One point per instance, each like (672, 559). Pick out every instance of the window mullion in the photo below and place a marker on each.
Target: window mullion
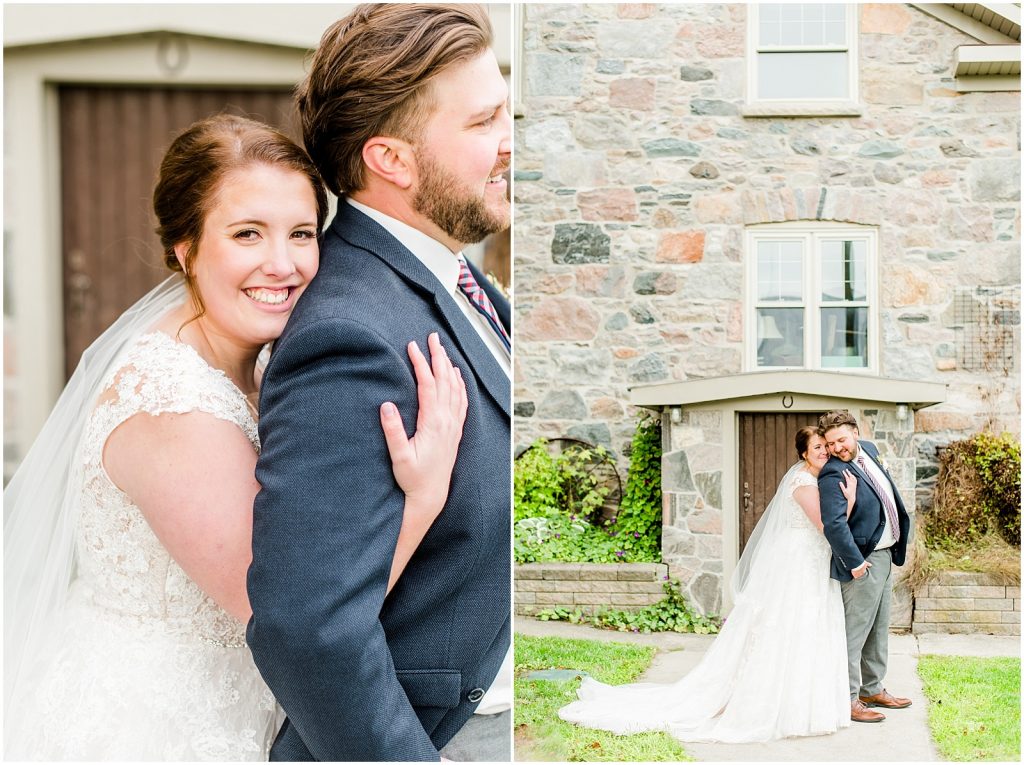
(812, 315)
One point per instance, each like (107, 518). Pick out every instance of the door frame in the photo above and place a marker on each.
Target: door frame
(33, 216)
(730, 410)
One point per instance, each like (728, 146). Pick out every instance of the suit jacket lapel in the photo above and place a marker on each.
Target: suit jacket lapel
(362, 231)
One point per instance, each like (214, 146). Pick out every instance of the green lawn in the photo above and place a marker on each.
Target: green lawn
(542, 735)
(973, 706)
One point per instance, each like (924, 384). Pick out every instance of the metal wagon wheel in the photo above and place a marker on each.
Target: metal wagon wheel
(598, 471)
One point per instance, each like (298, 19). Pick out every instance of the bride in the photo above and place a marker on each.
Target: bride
(779, 666)
(127, 531)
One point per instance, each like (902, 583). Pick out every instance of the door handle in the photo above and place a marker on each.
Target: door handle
(79, 286)
(746, 497)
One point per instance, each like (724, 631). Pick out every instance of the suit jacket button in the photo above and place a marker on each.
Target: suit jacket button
(475, 695)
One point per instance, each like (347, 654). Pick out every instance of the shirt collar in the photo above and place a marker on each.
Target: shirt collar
(439, 260)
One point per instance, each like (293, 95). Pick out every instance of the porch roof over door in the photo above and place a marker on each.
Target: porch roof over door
(914, 393)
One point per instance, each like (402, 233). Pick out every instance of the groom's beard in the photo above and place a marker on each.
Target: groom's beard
(849, 456)
(453, 208)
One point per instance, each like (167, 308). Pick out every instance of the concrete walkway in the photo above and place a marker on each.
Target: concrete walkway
(902, 737)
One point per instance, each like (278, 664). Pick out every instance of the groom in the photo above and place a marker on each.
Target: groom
(404, 113)
(865, 546)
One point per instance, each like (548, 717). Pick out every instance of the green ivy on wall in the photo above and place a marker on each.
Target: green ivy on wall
(639, 520)
(557, 503)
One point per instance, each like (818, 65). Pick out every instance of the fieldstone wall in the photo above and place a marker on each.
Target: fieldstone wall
(625, 586)
(960, 602)
(691, 482)
(636, 174)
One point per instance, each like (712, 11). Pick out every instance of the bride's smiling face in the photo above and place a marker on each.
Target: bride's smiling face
(257, 253)
(817, 453)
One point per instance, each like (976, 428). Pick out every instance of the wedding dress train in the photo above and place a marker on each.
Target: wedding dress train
(144, 666)
(778, 668)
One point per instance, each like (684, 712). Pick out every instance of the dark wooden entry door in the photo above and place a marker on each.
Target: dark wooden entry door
(766, 453)
(111, 142)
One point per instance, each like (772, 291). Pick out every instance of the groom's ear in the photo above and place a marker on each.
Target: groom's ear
(390, 158)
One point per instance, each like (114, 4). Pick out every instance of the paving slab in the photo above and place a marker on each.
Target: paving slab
(968, 645)
(902, 737)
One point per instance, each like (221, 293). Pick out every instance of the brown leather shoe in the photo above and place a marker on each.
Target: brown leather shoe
(860, 713)
(885, 699)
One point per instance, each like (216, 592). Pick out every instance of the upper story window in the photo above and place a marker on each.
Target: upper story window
(811, 297)
(802, 58)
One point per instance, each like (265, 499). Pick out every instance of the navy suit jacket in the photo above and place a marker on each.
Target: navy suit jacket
(363, 676)
(853, 539)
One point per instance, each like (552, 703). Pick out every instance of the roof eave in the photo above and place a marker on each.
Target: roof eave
(1003, 16)
(837, 385)
(149, 33)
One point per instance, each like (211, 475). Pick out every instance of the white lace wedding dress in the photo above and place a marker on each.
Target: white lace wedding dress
(147, 666)
(778, 668)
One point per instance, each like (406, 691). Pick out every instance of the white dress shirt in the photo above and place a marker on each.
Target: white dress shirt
(444, 265)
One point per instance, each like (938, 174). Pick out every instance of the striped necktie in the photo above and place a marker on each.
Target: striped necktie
(887, 503)
(479, 300)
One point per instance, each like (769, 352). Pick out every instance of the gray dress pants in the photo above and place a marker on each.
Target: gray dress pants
(484, 738)
(866, 603)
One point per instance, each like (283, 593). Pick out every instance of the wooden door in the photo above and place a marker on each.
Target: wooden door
(766, 453)
(111, 142)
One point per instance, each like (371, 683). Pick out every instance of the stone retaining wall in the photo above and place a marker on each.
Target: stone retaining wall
(626, 586)
(960, 602)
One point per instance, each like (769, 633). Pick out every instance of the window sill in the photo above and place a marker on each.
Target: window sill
(827, 370)
(802, 109)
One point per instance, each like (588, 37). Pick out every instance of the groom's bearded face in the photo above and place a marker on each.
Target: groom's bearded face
(842, 442)
(464, 150)
(456, 208)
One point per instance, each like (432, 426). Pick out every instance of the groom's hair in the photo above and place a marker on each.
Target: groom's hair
(835, 419)
(371, 74)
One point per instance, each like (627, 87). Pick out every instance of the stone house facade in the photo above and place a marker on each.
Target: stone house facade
(736, 213)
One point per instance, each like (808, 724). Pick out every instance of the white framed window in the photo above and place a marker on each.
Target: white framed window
(812, 297)
(802, 58)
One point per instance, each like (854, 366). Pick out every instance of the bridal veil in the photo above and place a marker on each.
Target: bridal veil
(778, 667)
(40, 502)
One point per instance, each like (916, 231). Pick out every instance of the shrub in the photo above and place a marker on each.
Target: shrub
(978, 491)
(554, 497)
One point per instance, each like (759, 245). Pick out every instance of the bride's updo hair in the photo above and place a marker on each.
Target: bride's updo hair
(803, 439)
(195, 166)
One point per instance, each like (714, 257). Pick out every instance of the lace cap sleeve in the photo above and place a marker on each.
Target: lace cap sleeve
(803, 478)
(159, 375)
